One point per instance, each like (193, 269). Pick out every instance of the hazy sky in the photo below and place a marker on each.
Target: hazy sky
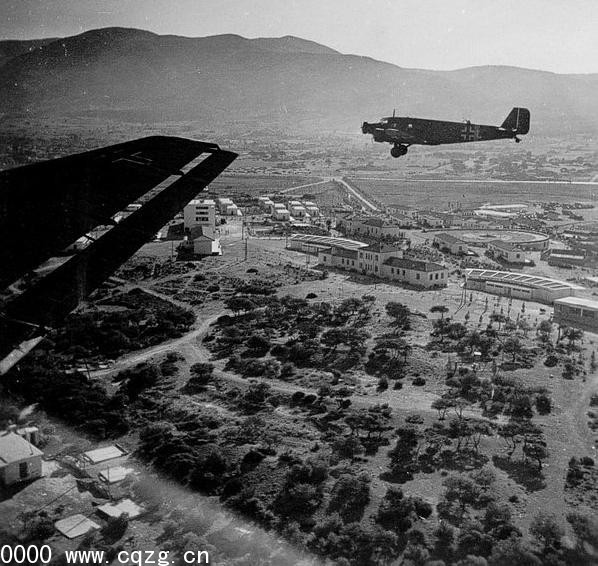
(554, 35)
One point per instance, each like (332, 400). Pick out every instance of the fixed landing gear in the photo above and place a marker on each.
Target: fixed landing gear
(517, 140)
(398, 150)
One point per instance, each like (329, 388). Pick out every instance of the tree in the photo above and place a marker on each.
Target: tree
(398, 513)
(403, 455)
(543, 403)
(396, 346)
(399, 313)
(524, 326)
(573, 335)
(239, 304)
(349, 497)
(254, 398)
(115, 528)
(460, 490)
(513, 552)
(348, 447)
(201, 375)
(536, 450)
(545, 330)
(442, 405)
(416, 554)
(445, 537)
(512, 345)
(442, 309)
(498, 318)
(258, 343)
(586, 532)
(546, 530)
(471, 560)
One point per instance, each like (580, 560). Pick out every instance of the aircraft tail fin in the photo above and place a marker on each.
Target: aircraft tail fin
(517, 121)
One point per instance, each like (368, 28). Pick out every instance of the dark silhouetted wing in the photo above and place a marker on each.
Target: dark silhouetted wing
(47, 206)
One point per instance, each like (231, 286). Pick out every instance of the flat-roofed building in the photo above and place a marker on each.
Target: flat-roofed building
(201, 213)
(520, 286)
(578, 312)
(451, 244)
(566, 258)
(223, 203)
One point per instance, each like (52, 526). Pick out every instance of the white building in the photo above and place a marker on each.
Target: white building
(578, 312)
(372, 257)
(280, 212)
(204, 245)
(341, 258)
(223, 204)
(451, 244)
(431, 220)
(505, 251)
(19, 459)
(233, 210)
(314, 244)
(520, 286)
(297, 210)
(265, 203)
(311, 208)
(201, 213)
(383, 261)
(371, 226)
(424, 274)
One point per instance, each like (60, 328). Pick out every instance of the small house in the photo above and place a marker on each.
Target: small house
(19, 459)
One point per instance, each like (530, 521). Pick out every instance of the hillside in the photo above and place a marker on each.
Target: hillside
(227, 79)
(10, 48)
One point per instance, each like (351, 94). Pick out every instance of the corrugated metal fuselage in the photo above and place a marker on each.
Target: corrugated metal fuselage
(405, 130)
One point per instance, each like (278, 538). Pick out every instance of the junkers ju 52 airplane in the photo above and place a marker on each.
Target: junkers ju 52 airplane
(403, 131)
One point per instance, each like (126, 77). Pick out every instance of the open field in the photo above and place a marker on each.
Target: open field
(437, 194)
(258, 184)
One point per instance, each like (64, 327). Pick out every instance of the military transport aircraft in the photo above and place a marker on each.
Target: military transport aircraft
(47, 206)
(403, 131)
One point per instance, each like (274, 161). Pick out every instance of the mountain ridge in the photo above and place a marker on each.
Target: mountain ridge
(116, 72)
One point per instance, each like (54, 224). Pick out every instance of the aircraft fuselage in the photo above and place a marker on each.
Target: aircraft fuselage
(404, 131)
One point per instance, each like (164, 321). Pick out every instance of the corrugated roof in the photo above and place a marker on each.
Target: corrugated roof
(577, 302)
(327, 241)
(521, 279)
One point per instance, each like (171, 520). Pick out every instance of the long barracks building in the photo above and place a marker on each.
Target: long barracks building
(519, 286)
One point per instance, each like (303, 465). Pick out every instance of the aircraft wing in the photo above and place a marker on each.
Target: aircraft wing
(47, 206)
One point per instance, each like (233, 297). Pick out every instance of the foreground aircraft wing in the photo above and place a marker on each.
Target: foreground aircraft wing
(47, 206)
